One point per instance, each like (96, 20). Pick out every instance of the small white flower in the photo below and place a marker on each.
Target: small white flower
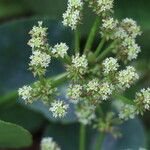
(59, 109)
(109, 65)
(74, 92)
(127, 77)
(85, 114)
(106, 90)
(47, 143)
(143, 97)
(60, 50)
(127, 112)
(40, 59)
(25, 92)
(131, 27)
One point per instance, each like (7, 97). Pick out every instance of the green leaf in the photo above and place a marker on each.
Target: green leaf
(14, 136)
(14, 58)
(22, 116)
(67, 136)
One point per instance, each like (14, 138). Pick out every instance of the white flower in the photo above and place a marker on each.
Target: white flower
(120, 33)
(47, 143)
(105, 90)
(75, 4)
(127, 112)
(38, 37)
(59, 109)
(38, 31)
(25, 92)
(130, 48)
(60, 50)
(102, 7)
(85, 114)
(143, 98)
(80, 63)
(127, 77)
(109, 65)
(74, 92)
(131, 27)
(71, 18)
(40, 59)
(93, 86)
(72, 15)
(109, 24)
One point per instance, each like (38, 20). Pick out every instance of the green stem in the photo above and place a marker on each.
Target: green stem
(92, 35)
(99, 48)
(100, 141)
(77, 41)
(106, 51)
(82, 137)
(12, 96)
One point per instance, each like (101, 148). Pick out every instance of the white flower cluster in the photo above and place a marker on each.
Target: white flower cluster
(106, 90)
(127, 33)
(142, 98)
(26, 93)
(127, 112)
(131, 27)
(110, 65)
(40, 59)
(93, 86)
(130, 48)
(127, 77)
(78, 66)
(47, 143)
(59, 109)
(74, 92)
(102, 7)
(80, 62)
(85, 114)
(38, 37)
(39, 62)
(72, 16)
(109, 24)
(60, 50)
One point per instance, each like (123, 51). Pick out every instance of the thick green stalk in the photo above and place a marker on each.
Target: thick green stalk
(12, 96)
(99, 48)
(77, 41)
(100, 141)
(92, 35)
(106, 51)
(82, 137)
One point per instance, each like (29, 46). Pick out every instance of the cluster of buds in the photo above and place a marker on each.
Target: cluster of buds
(72, 16)
(40, 60)
(47, 143)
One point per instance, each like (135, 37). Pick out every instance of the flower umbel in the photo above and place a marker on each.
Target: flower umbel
(59, 109)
